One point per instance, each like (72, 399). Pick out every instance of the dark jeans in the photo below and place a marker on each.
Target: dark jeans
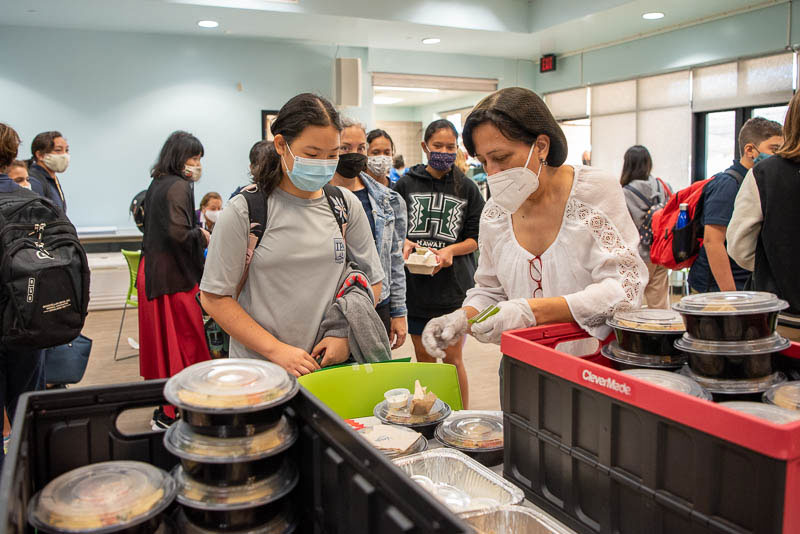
(21, 370)
(383, 310)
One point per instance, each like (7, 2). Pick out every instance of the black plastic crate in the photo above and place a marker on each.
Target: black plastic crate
(602, 464)
(346, 486)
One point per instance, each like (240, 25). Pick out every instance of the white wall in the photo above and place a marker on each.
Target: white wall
(116, 97)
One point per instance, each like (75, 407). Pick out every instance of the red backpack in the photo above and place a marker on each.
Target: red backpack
(673, 248)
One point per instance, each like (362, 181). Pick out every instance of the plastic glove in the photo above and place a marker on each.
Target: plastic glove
(513, 315)
(443, 332)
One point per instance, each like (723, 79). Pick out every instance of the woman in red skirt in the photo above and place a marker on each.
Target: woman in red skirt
(171, 335)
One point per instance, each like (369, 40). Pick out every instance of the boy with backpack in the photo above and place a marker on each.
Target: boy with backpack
(714, 270)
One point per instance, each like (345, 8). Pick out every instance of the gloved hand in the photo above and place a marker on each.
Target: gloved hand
(513, 315)
(444, 331)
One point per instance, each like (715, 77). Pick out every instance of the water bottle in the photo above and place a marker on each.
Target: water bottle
(683, 216)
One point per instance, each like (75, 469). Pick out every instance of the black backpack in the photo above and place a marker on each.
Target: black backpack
(137, 209)
(646, 228)
(44, 274)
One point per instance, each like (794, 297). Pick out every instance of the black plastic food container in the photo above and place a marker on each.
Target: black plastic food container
(235, 507)
(230, 461)
(742, 389)
(730, 315)
(231, 398)
(624, 360)
(732, 360)
(477, 434)
(425, 425)
(282, 523)
(647, 331)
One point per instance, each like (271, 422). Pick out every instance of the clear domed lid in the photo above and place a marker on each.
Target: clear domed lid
(739, 386)
(439, 411)
(784, 395)
(648, 320)
(730, 303)
(283, 523)
(767, 345)
(231, 386)
(670, 380)
(185, 443)
(614, 352)
(472, 431)
(102, 497)
(201, 496)
(774, 414)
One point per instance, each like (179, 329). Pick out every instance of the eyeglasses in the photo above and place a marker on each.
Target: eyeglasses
(535, 271)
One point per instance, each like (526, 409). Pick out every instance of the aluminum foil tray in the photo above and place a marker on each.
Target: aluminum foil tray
(516, 519)
(458, 481)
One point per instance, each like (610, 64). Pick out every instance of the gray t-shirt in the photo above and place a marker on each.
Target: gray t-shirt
(295, 269)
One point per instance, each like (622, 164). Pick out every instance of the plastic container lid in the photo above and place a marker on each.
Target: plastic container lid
(648, 320)
(439, 411)
(201, 496)
(185, 443)
(784, 395)
(767, 345)
(102, 497)
(740, 386)
(670, 380)
(775, 414)
(282, 524)
(730, 303)
(473, 432)
(231, 386)
(614, 352)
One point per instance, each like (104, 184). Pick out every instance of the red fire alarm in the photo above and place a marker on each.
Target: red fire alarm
(547, 63)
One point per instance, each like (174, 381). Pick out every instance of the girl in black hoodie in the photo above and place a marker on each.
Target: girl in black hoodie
(444, 211)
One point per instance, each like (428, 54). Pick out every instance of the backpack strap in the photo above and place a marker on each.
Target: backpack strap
(736, 175)
(338, 206)
(666, 188)
(640, 195)
(257, 214)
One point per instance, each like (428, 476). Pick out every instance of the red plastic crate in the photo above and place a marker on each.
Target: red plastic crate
(535, 347)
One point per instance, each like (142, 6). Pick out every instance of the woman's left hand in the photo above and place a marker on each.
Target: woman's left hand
(513, 315)
(445, 256)
(399, 329)
(334, 350)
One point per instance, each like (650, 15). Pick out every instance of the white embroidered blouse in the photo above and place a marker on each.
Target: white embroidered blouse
(593, 263)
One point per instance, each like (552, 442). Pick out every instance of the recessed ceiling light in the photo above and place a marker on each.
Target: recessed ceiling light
(408, 89)
(431, 40)
(653, 15)
(385, 100)
(31, 11)
(207, 23)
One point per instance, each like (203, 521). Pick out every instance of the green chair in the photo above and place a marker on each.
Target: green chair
(132, 299)
(353, 391)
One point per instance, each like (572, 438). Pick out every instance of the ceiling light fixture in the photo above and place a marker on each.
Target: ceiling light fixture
(406, 89)
(431, 40)
(207, 23)
(653, 15)
(385, 100)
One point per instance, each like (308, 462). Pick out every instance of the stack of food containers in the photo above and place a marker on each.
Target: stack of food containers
(645, 340)
(731, 342)
(234, 442)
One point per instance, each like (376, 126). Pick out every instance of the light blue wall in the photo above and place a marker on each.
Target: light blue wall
(754, 33)
(395, 113)
(116, 97)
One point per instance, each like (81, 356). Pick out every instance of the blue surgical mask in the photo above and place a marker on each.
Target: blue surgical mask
(761, 157)
(310, 174)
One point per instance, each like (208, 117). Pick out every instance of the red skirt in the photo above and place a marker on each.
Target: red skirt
(171, 335)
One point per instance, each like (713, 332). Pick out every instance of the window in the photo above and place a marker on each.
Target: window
(719, 141)
(773, 113)
(579, 139)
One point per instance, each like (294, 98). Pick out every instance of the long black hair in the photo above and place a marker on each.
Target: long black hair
(637, 165)
(440, 124)
(179, 147)
(301, 111)
(44, 142)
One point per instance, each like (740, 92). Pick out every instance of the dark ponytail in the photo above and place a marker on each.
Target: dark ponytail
(44, 142)
(301, 111)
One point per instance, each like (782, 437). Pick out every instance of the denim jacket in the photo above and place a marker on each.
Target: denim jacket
(389, 212)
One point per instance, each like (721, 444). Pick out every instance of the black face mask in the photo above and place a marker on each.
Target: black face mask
(351, 164)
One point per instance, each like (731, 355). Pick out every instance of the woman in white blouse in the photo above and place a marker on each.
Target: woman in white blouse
(556, 242)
